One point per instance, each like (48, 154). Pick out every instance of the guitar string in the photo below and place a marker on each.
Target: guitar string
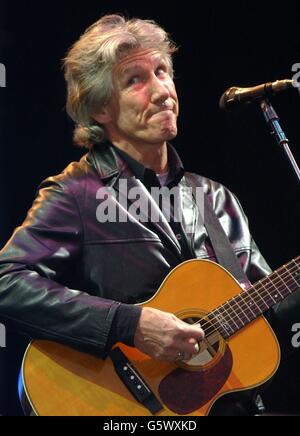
(265, 285)
(226, 322)
(248, 296)
(228, 317)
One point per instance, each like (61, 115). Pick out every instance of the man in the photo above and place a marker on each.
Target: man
(68, 275)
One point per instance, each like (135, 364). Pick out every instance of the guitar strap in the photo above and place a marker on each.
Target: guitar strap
(224, 252)
(223, 249)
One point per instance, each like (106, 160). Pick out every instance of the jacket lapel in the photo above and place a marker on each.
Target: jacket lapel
(139, 203)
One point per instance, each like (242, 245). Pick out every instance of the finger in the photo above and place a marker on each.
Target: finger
(197, 348)
(193, 331)
(195, 344)
(190, 348)
(188, 357)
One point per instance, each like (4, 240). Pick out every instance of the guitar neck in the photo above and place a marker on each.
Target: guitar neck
(248, 305)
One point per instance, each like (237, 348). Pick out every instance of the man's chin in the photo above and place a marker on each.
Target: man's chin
(160, 137)
(170, 135)
(163, 138)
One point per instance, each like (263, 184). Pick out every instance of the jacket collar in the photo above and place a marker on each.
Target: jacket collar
(106, 160)
(147, 176)
(110, 162)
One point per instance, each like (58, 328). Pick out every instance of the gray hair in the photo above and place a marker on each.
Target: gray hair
(89, 63)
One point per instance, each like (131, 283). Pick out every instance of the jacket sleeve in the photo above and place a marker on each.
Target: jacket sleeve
(31, 299)
(258, 267)
(255, 266)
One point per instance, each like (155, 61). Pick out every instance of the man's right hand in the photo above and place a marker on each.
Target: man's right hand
(163, 336)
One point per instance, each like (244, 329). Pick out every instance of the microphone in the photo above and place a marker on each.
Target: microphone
(234, 96)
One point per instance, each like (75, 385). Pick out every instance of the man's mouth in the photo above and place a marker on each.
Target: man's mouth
(164, 110)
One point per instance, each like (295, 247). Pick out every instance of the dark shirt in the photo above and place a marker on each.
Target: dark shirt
(148, 177)
(127, 317)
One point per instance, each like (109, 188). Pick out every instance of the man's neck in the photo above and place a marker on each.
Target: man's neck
(152, 156)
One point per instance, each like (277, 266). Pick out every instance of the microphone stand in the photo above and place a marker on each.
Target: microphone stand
(272, 120)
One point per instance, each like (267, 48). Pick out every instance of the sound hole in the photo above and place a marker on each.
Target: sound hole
(211, 348)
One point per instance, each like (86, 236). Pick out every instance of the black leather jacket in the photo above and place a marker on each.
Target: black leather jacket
(63, 273)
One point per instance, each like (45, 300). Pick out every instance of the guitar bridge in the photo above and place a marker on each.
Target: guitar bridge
(134, 381)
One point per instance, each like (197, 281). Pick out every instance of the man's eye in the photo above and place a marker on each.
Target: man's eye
(161, 71)
(133, 80)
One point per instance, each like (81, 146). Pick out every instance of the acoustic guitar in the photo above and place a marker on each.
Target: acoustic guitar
(240, 352)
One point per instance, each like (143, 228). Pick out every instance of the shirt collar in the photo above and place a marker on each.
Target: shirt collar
(147, 176)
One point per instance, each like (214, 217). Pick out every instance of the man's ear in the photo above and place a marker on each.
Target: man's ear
(103, 117)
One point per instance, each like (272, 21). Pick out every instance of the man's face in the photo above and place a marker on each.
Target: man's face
(144, 105)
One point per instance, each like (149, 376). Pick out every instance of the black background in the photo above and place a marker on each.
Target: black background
(221, 44)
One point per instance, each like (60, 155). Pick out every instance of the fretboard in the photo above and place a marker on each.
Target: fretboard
(248, 305)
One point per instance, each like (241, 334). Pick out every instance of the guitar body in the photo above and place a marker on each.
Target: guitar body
(58, 380)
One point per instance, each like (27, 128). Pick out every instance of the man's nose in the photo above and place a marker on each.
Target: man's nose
(159, 91)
